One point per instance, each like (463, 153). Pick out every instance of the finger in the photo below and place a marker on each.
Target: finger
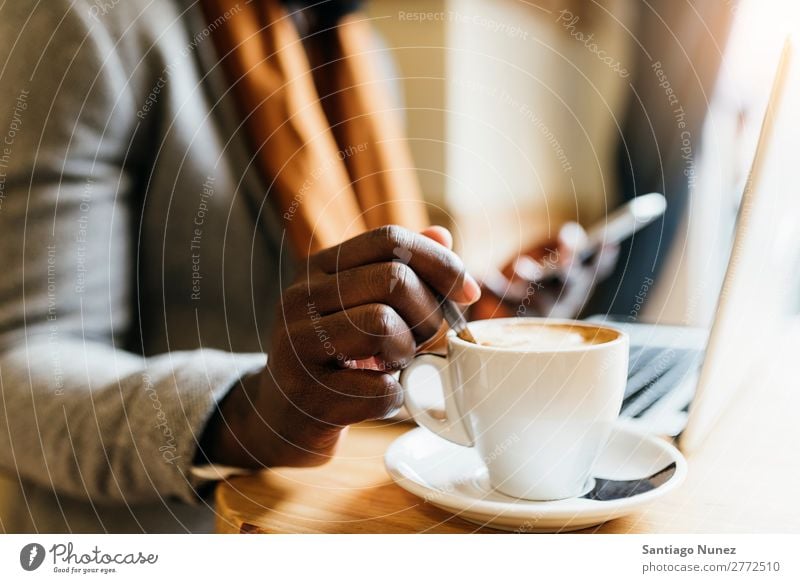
(440, 235)
(354, 334)
(528, 269)
(392, 283)
(572, 239)
(438, 266)
(360, 395)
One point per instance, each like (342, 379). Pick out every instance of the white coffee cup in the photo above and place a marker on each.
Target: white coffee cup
(539, 415)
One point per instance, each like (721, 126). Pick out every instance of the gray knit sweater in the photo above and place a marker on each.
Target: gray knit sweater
(140, 263)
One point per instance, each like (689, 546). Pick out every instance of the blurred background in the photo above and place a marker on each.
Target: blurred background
(522, 115)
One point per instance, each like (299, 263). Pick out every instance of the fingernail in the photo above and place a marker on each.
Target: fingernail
(472, 290)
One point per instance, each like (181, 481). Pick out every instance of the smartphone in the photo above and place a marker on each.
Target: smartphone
(623, 222)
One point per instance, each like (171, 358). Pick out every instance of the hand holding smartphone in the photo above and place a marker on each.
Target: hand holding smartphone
(513, 286)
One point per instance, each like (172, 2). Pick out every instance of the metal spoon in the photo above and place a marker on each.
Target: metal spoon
(617, 489)
(456, 321)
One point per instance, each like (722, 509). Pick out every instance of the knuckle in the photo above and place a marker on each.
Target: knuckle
(381, 319)
(394, 233)
(389, 395)
(391, 337)
(381, 279)
(399, 275)
(393, 236)
(386, 384)
(396, 352)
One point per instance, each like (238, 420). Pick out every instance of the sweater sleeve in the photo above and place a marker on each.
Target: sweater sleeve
(78, 413)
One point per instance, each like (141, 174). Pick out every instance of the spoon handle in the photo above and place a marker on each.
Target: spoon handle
(456, 320)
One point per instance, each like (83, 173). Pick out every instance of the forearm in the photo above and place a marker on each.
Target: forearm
(102, 424)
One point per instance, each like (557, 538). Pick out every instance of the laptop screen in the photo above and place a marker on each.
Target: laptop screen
(757, 291)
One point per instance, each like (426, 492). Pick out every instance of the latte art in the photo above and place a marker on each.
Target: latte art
(528, 336)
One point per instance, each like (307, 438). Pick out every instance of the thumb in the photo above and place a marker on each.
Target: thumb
(572, 239)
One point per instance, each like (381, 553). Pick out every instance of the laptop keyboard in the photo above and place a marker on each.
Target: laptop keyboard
(653, 372)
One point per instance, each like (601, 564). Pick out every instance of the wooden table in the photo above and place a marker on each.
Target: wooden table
(744, 479)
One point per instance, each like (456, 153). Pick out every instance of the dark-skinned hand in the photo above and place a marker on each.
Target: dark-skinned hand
(358, 312)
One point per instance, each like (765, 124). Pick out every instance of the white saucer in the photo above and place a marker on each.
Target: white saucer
(455, 479)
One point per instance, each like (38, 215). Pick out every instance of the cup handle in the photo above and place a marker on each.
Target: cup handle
(452, 427)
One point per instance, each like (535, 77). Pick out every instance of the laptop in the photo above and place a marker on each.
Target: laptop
(681, 379)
